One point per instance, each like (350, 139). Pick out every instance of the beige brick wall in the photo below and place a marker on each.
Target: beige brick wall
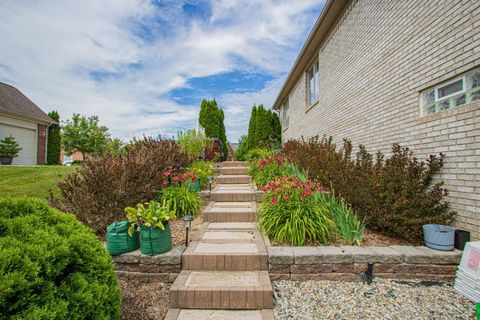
(373, 66)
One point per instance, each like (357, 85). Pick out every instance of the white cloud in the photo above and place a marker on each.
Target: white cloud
(49, 50)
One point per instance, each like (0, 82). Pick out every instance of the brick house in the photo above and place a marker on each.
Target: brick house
(26, 122)
(379, 72)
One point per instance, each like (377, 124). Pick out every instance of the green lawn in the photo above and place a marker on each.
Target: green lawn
(31, 180)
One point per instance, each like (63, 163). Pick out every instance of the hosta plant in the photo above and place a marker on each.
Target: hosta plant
(291, 214)
(151, 214)
(181, 200)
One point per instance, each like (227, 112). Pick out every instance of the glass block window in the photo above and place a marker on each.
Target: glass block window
(313, 78)
(285, 114)
(453, 93)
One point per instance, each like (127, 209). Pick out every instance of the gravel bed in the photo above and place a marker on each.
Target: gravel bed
(384, 299)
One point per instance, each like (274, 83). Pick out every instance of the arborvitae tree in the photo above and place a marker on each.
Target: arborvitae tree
(212, 118)
(54, 140)
(276, 132)
(223, 133)
(209, 118)
(250, 144)
(262, 127)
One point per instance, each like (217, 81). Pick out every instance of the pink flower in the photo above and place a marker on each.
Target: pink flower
(274, 200)
(165, 182)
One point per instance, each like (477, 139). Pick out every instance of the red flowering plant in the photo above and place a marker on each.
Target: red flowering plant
(271, 168)
(292, 213)
(176, 178)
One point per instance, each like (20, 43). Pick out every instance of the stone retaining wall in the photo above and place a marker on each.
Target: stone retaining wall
(348, 263)
(164, 267)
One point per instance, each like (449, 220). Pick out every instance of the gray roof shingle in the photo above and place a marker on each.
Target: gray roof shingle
(13, 101)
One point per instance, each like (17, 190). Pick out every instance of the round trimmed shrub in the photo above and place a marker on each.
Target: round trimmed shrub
(52, 266)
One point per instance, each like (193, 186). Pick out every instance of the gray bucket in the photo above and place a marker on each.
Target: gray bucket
(439, 237)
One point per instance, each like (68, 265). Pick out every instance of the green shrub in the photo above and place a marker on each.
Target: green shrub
(181, 200)
(394, 196)
(192, 142)
(240, 153)
(51, 266)
(256, 154)
(290, 213)
(105, 184)
(9, 147)
(202, 170)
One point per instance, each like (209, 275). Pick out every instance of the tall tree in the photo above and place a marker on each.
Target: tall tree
(251, 143)
(84, 135)
(223, 134)
(211, 118)
(54, 140)
(262, 127)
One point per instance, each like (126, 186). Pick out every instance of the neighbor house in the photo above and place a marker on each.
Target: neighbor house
(380, 71)
(25, 121)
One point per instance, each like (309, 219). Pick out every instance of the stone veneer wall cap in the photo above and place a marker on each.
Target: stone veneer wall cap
(280, 255)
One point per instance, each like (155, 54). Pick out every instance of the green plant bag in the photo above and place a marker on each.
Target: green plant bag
(194, 186)
(118, 240)
(155, 241)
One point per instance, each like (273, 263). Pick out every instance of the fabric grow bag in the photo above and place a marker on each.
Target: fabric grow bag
(194, 186)
(155, 241)
(118, 240)
(439, 237)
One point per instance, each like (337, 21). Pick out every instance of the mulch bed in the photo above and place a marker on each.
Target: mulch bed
(370, 239)
(144, 300)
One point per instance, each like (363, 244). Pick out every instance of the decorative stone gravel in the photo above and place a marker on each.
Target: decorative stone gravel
(384, 299)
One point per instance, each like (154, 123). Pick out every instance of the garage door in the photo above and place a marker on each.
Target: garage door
(26, 138)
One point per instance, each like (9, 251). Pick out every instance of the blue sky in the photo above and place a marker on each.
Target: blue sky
(145, 66)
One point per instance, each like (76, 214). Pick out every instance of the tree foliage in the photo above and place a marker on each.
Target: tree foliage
(212, 118)
(242, 148)
(54, 140)
(192, 142)
(84, 134)
(264, 130)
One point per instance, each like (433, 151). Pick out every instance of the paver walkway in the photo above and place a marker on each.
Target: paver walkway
(225, 267)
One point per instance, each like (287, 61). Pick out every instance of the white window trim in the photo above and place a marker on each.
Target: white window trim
(285, 116)
(316, 83)
(464, 83)
(465, 90)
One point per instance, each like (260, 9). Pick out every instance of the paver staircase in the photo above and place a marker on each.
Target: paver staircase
(225, 267)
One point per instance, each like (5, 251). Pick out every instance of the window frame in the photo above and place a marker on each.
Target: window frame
(286, 114)
(467, 91)
(316, 80)
(464, 82)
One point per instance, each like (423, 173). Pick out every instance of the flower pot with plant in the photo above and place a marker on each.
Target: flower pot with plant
(9, 149)
(155, 234)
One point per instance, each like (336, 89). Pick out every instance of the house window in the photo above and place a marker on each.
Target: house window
(285, 114)
(456, 92)
(313, 77)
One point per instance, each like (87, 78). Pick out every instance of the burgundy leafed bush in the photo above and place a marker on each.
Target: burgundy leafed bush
(395, 196)
(104, 185)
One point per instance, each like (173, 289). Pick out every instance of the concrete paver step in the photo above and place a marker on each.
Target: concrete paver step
(233, 179)
(233, 170)
(222, 290)
(230, 212)
(232, 226)
(233, 192)
(201, 314)
(226, 250)
(231, 164)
